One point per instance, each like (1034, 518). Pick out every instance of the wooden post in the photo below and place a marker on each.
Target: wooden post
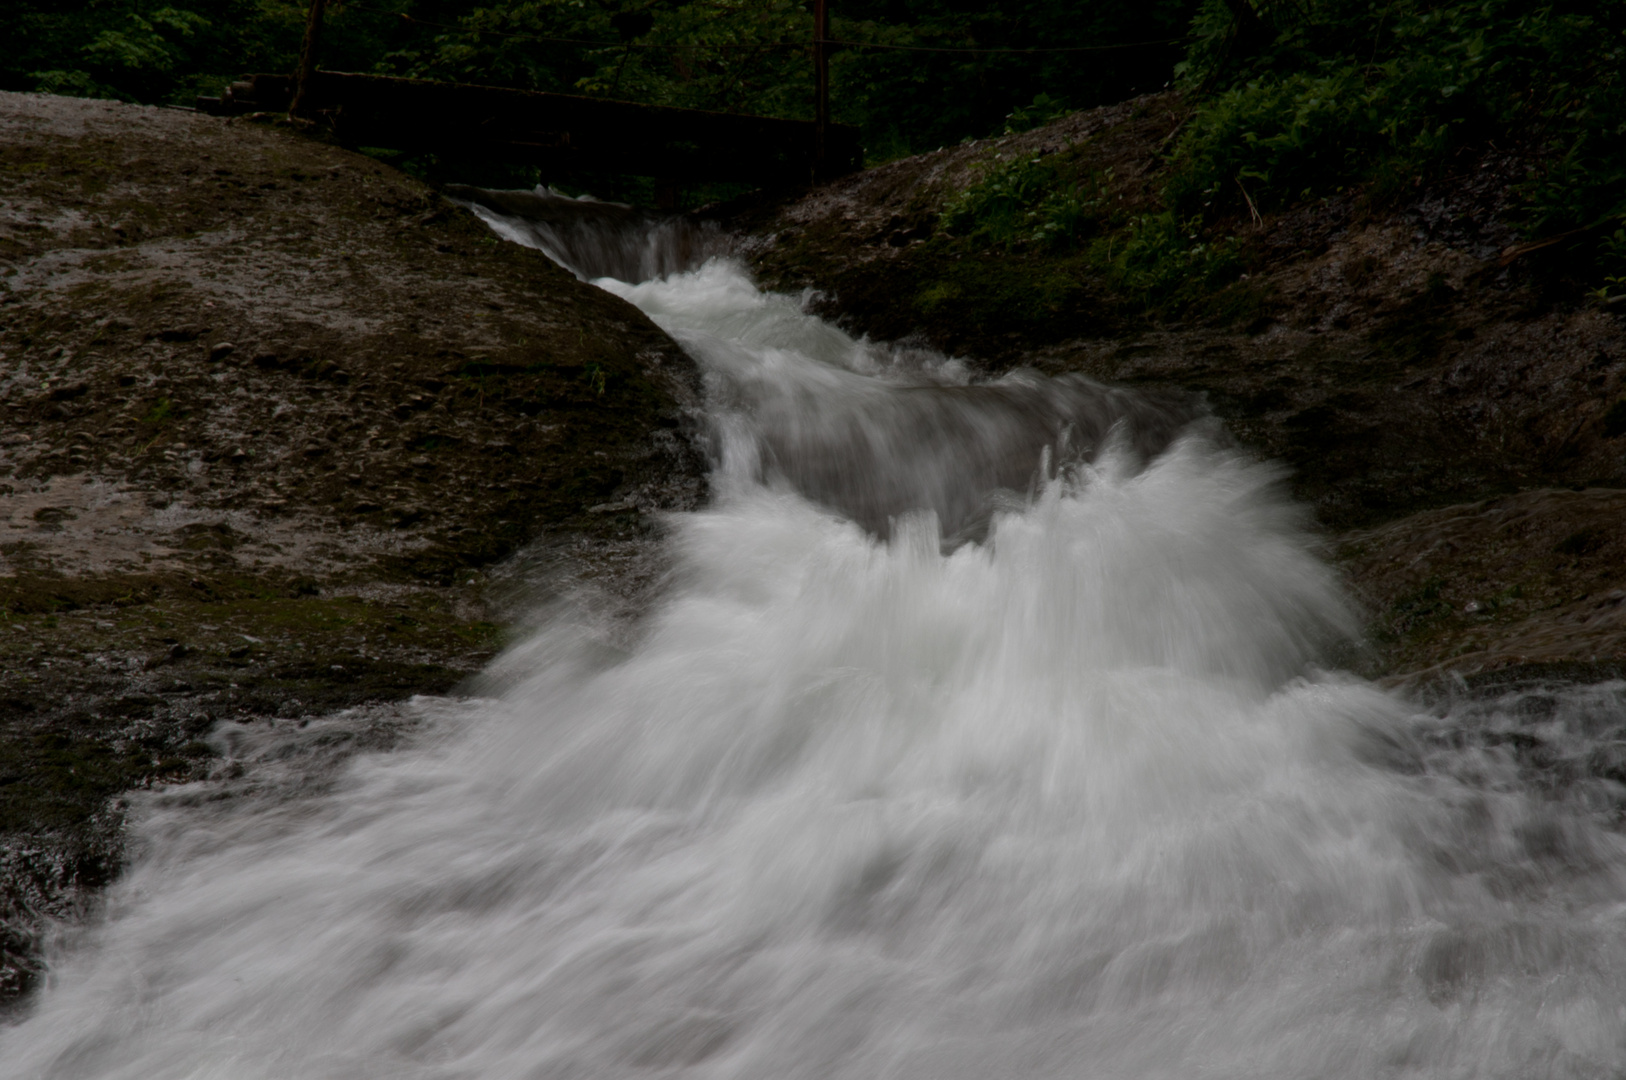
(307, 57)
(821, 79)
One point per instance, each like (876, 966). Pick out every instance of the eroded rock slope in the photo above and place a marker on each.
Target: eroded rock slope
(1454, 411)
(270, 413)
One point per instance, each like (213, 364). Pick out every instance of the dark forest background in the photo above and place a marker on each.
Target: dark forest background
(1291, 99)
(728, 55)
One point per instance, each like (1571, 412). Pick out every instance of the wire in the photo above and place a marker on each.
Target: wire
(1048, 49)
(529, 36)
(526, 35)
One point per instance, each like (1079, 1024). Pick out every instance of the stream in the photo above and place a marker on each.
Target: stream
(983, 729)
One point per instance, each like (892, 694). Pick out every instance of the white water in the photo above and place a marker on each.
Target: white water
(1070, 801)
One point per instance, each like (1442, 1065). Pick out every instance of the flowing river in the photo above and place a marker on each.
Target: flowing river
(983, 730)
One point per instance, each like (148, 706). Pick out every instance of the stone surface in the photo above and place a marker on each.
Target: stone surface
(1418, 388)
(1525, 581)
(272, 415)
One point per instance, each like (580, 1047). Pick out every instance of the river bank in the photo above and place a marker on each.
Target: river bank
(1451, 407)
(270, 414)
(273, 415)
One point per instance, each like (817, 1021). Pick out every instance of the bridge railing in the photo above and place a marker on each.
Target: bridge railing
(560, 131)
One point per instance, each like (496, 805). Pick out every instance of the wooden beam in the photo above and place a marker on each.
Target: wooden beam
(560, 131)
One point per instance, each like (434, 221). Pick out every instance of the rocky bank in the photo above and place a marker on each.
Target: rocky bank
(270, 413)
(1449, 402)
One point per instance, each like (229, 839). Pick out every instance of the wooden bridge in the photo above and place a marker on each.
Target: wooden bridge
(556, 131)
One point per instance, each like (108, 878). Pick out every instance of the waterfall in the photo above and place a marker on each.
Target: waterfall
(985, 728)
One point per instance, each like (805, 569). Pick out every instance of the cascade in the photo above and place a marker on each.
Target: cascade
(985, 728)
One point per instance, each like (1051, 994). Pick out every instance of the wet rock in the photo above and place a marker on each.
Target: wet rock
(168, 550)
(1499, 584)
(1380, 352)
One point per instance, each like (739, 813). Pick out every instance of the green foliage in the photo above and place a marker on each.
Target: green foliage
(152, 44)
(596, 378)
(1027, 199)
(727, 55)
(1297, 100)
(907, 102)
(1162, 257)
(696, 55)
(72, 84)
(1040, 111)
(1383, 92)
(156, 51)
(1321, 95)
(751, 57)
(1039, 202)
(1611, 261)
(1275, 141)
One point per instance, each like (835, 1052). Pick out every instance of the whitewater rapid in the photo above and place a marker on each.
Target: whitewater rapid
(980, 732)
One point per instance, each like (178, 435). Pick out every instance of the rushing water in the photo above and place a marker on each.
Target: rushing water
(979, 733)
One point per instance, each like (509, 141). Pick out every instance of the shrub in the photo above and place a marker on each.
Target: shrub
(1378, 92)
(1162, 257)
(1028, 199)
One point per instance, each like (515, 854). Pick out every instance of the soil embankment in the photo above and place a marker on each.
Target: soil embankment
(1456, 419)
(268, 413)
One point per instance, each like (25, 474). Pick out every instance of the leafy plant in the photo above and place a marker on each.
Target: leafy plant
(1034, 201)
(1040, 111)
(146, 44)
(1342, 92)
(72, 84)
(1027, 199)
(1162, 256)
(1612, 262)
(930, 72)
(171, 50)
(1280, 139)
(596, 377)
